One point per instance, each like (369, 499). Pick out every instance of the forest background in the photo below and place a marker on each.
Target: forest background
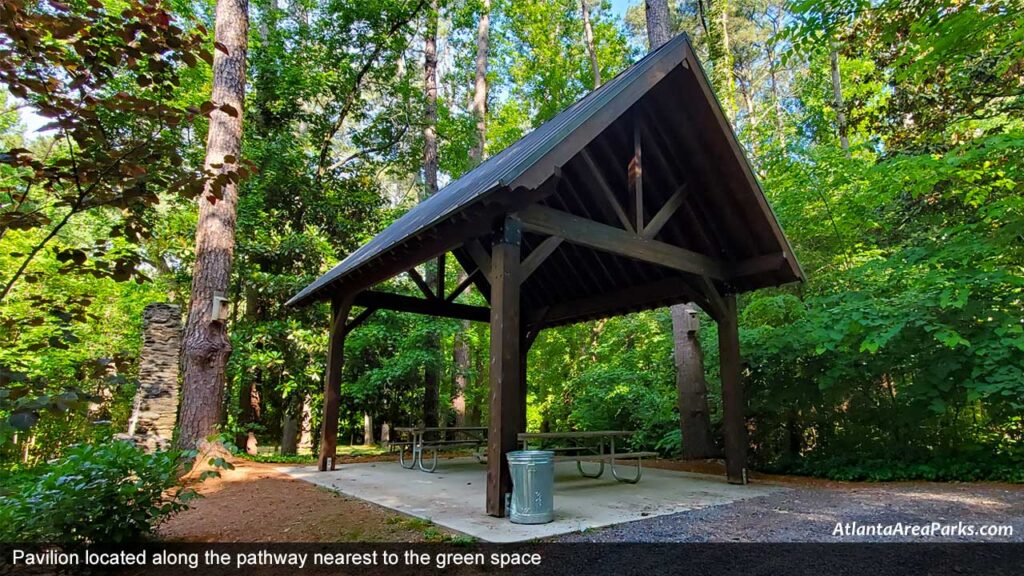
(888, 136)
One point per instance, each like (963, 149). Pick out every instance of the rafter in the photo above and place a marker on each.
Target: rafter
(421, 284)
(606, 190)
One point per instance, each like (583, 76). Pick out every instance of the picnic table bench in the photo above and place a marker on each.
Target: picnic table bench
(434, 439)
(588, 446)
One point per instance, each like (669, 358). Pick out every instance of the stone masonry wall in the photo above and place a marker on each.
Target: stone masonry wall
(156, 402)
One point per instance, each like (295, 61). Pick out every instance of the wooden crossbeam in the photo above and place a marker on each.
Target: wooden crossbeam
(716, 304)
(435, 307)
(362, 317)
(538, 256)
(421, 283)
(667, 210)
(479, 255)
(544, 220)
(606, 189)
(465, 284)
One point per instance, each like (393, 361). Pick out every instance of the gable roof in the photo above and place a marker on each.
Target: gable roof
(554, 146)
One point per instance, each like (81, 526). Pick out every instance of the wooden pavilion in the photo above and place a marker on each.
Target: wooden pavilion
(637, 196)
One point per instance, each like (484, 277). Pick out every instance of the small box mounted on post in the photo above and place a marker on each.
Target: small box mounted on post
(219, 307)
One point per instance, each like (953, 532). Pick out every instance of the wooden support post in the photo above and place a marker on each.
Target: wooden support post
(733, 404)
(340, 307)
(505, 363)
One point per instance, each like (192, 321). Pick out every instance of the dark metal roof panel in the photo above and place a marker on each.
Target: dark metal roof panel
(493, 174)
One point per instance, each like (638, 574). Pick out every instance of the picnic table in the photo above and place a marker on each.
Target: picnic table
(420, 439)
(587, 446)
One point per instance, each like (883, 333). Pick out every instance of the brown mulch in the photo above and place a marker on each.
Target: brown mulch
(258, 503)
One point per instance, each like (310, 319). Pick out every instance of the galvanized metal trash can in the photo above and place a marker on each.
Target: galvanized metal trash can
(533, 486)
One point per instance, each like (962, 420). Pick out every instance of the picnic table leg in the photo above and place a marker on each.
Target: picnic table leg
(632, 480)
(401, 456)
(614, 474)
(433, 465)
(600, 470)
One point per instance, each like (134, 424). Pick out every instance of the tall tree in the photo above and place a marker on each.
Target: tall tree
(206, 344)
(460, 349)
(774, 16)
(480, 82)
(694, 420)
(715, 18)
(659, 24)
(431, 378)
(588, 35)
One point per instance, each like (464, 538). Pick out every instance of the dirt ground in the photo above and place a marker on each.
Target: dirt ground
(258, 503)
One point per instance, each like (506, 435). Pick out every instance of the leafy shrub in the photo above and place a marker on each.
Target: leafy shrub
(111, 492)
(952, 468)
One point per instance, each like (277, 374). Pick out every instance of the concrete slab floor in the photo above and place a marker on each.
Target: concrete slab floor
(453, 496)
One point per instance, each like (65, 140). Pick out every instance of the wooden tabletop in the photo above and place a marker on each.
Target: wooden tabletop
(587, 434)
(438, 429)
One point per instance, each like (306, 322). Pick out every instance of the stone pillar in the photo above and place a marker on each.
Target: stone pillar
(155, 412)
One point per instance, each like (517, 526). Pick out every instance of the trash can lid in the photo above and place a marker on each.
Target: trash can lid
(525, 456)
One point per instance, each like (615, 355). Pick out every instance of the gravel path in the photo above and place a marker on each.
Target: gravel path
(810, 514)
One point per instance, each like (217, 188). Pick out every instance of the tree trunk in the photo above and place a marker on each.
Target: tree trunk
(480, 84)
(837, 93)
(460, 350)
(588, 34)
(249, 405)
(694, 416)
(248, 393)
(367, 429)
(773, 74)
(306, 426)
(720, 53)
(431, 378)
(289, 432)
(658, 34)
(206, 340)
(659, 24)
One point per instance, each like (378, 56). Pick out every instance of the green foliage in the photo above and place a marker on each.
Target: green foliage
(103, 493)
(77, 202)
